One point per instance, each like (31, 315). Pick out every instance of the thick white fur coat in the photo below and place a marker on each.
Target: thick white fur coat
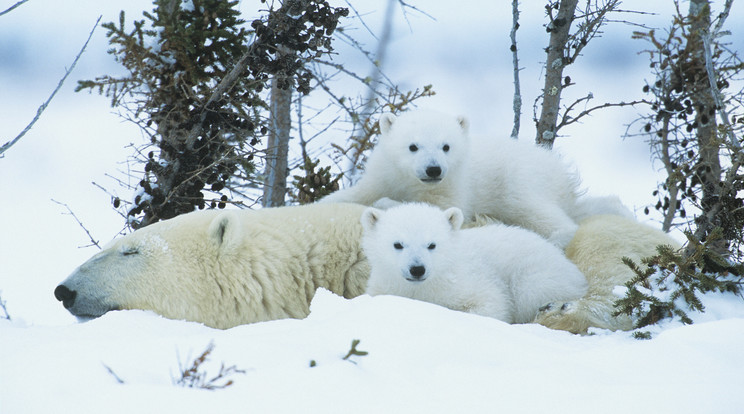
(419, 251)
(226, 268)
(517, 183)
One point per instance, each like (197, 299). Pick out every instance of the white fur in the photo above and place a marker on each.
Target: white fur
(597, 249)
(226, 268)
(514, 182)
(418, 251)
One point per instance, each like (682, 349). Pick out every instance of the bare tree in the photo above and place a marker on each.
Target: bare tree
(277, 146)
(517, 101)
(563, 49)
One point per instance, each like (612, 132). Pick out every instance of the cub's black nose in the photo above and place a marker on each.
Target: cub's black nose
(433, 171)
(65, 295)
(417, 271)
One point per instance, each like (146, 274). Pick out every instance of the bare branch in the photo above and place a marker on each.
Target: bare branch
(5, 310)
(566, 119)
(715, 92)
(8, 10)
(113, 374)
(70, 212)
(361, 20)
(722, 16)
(43, 106)
(404, 6)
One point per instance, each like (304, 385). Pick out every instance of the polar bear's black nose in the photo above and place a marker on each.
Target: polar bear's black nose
(433, 171)
(417, 271)
(65, 295)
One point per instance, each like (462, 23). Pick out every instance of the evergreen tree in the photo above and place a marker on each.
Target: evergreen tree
(194, 85)
(695, 130)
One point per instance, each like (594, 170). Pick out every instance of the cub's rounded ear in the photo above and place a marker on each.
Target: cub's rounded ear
(224, 230)
(386, 121)
(464, 123)
(455, 217)
(370, 217)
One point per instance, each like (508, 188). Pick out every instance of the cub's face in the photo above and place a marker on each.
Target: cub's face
(410, 241)
(425, 145)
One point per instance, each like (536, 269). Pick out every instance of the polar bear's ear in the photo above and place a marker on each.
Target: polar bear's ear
(464, 123)
(224, 230)
(386, 121)
(455, 217)
(369, 219)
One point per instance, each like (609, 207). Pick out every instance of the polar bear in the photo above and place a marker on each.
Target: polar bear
(597, 249)
(418, 251)
(225, 268)
(429, 157)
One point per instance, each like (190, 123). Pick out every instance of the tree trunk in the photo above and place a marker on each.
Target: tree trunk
(277, 147)
(556, 61)
(708, 168)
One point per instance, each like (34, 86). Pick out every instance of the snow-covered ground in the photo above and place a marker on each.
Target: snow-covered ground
(421, 358)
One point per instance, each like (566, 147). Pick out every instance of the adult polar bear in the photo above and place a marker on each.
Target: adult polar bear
(418, 251)
(428, 157)
(230, 268)
(225, 268)
(597, 249)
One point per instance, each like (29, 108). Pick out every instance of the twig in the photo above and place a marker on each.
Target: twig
(195, 377)
(517, 102)
(8, 10)
(93, 242)
(568, 120)
(404, 5)
(715, 92)
(354, 351)
(111, 371)
(361, 20)
(59, 86)
(5, 310)
(722, 16)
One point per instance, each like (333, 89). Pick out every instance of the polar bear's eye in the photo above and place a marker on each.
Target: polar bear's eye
(130, 251)
(413, 148)
(445, 148)
(432, 246)
(398, 246)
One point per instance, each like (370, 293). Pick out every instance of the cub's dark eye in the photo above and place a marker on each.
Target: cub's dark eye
(413, 148)
(432, 246)
(397, 246)
(445, 148)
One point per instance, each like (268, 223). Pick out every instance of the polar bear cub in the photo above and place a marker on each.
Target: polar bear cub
(428, 157)
(508, 273)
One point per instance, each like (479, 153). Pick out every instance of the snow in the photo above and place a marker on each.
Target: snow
(421, 357)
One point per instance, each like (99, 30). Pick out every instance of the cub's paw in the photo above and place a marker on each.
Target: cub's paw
(561, 238)
(385, 203)
(555, 308)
